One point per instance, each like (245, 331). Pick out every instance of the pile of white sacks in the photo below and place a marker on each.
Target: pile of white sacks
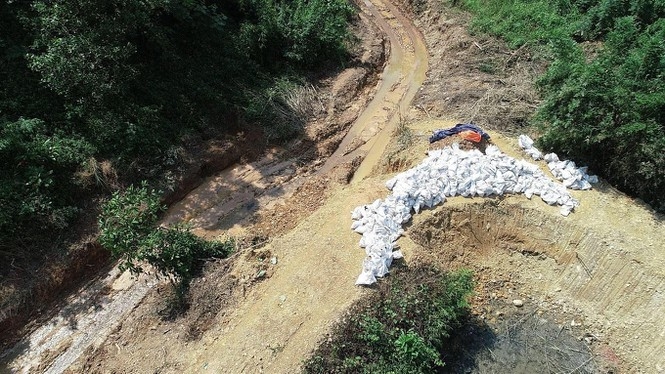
(566, 171)
(445, 173)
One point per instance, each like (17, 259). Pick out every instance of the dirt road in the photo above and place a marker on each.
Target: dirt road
(283, 318)
(400, 81)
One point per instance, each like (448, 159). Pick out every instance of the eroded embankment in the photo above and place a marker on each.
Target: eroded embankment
(559, 262)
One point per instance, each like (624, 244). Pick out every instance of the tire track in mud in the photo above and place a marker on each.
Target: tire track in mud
(96, 311)
(402, 77)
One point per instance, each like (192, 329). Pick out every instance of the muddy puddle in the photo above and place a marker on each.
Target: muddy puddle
(523, 341)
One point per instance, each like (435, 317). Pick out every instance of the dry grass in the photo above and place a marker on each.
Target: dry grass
(98, 173)
(403, 135)
(288, 108)
(477, 79)
(508, 101)
(304, 101)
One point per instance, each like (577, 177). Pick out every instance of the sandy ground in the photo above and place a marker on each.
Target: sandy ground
(597, 275)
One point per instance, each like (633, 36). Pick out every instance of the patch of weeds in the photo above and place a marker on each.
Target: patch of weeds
(536, 23)
(403, 139)
(402, 327)
(403, 135)
(487, 67)
(284, 107)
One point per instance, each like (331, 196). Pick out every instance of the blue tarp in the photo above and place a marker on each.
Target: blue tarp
(443, 133)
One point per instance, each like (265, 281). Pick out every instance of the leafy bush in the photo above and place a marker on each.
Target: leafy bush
(127, 228)
(35, 184)
(301, 32)
(603, 106)
(402, 328)
(177, 253)
(610, 112)
(601, 15)
(129, 71)
(414, 353)
(127, 220)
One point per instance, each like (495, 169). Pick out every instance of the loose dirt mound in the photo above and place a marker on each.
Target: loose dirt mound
(558, 268)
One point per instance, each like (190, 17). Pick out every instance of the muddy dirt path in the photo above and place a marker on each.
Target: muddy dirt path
(400, 81)
(222, 204)
(316, 268)
(283, 318)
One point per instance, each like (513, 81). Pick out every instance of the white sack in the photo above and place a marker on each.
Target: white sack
(526, 144)
(566, 171)
(445, 173)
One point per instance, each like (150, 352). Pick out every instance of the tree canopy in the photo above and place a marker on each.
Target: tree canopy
(121, 81)
(604, 89)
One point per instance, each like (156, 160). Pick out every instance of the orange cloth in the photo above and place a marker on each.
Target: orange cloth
(471, 136)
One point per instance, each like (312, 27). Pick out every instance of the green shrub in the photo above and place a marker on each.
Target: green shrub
(301, 32)
(127, 228)
(126, 221)
(602, 15)
(604, 107)
(415, 353)
(610, 112)
(401, 328)
(533, 22)
(36, 183)
(177, 253)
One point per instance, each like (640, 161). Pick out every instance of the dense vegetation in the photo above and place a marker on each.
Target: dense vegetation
(99, 94)
(604, 90)
(401, 328)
